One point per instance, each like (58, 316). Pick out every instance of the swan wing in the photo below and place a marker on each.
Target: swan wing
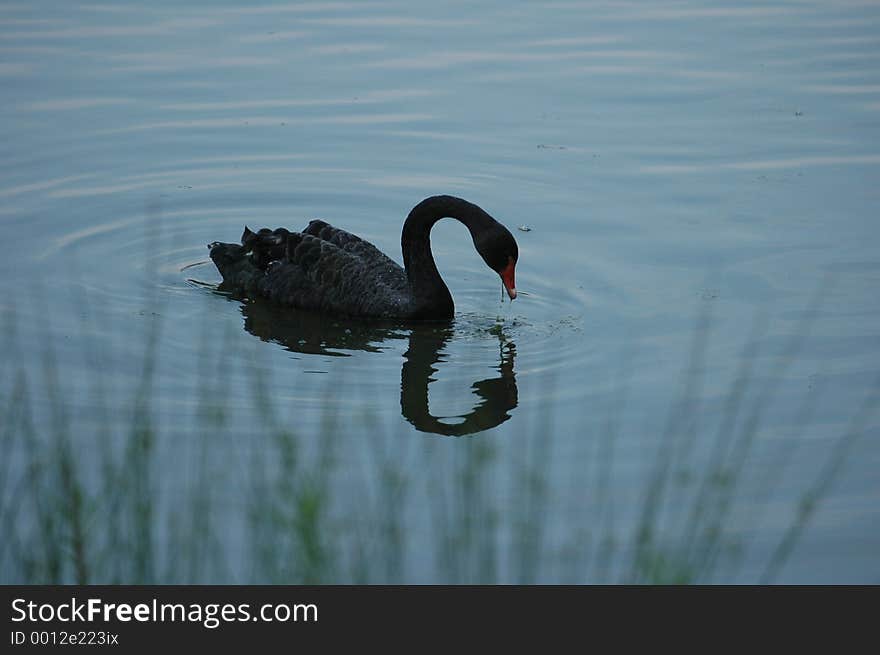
(347, 241)
(318, 274)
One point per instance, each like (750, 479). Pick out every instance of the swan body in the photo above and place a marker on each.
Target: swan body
(329, 270)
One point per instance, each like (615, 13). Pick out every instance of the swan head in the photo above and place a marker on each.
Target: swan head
(498, 249)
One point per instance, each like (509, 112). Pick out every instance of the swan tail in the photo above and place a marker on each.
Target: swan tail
(235, 265)
(242, 266)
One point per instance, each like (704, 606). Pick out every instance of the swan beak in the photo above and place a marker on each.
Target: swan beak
(507, 278)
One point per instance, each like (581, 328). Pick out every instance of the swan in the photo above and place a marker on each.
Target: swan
(329, 270)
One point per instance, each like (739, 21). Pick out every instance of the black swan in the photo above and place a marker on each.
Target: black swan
(330, 270)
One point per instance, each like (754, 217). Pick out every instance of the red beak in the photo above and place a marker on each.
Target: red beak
(507, 278)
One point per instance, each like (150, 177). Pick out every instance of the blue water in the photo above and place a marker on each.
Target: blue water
(693, 187)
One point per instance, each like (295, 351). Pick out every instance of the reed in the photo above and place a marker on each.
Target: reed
(86, 497)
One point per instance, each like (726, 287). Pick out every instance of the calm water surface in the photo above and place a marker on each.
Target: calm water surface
(683, 391)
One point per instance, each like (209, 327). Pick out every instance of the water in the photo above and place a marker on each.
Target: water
(700, 184)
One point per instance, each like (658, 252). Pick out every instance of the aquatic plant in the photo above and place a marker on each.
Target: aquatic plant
(84, 501)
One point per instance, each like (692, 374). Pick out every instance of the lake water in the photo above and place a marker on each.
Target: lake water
(683, 392)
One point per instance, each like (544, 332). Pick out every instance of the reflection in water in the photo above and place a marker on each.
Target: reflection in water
(315, 334)
(498, 395)
(312, 333)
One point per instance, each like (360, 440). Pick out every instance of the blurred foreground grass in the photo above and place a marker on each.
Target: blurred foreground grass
(83, 500)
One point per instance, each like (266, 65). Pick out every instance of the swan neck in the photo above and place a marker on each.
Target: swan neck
(418, 260)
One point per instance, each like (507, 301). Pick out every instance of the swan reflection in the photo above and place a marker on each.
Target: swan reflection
(316, 334)
(498, 395)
